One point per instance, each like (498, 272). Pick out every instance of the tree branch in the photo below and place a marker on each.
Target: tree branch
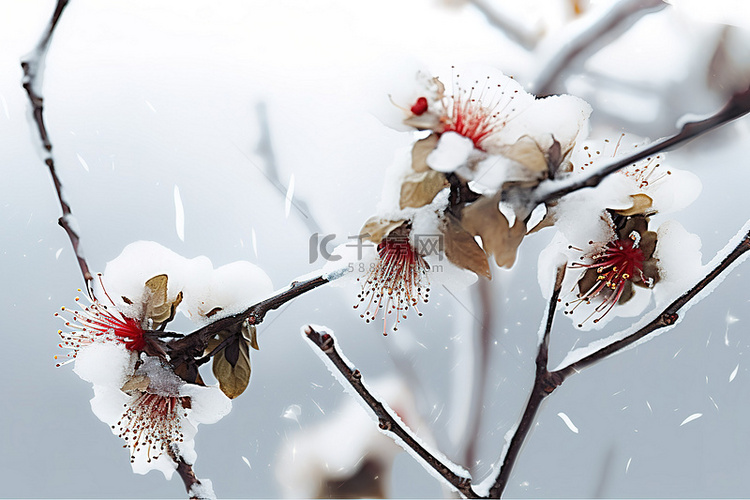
(190, 347)
(737, 106)
(33, 71)
(481, 367)
(194, 487)
(265, 149)
(388, 422)
(505, 23)
(185, 470)
(544, 384)
(614, 20)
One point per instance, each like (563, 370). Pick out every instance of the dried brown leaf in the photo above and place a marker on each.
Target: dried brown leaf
(483, 218)
(641, 203)
(188, 371)
(422, 148)
(377, 228)
(250, 332)
(461, 248)
(156, 307)
(213, 311)
(419, 190)
(528, 153)
(627, 292)
(549, 219)
(231, 367)
(136, 383)
(650, 272)
(648, 244)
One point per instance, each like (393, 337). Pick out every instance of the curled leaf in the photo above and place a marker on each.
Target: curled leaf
(188, 371)
(483, 218)
(549, 219)
(461, 248)
(641, 203)
(377, 228)
(420, 189)
(156, 306)
(250, 332)
(213, 311)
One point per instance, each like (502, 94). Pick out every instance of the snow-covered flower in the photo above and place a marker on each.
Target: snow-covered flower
(614, 266)
(616, 255)
(206, 294)
(148, 406)
(122, 349)
(650, 184)
(399, 256)
(489, 130)
(396, 280)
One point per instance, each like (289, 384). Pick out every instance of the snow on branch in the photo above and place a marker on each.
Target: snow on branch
(33, 73)
(737, 106)
(388, 422)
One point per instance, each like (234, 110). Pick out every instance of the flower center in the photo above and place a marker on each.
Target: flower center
(478, 115)
(397, 281)
(615, 266)
(97, 323)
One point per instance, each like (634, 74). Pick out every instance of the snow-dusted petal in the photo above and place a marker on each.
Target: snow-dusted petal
(563, 118)
(209, 404)
(679, 257)
(675, 191)
(108, 403)
(104, 364)
(407, 92)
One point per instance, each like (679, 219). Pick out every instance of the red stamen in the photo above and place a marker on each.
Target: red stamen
(617, 264)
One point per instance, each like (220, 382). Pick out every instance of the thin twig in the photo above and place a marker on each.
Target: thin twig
(387, 421)
(544, 383)
(185, 470)
(265, 149)
(33, 71)
(481, 366)
(193, 485)
(190, 347)
(737, 106)
(510, 27)
(589, 38)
